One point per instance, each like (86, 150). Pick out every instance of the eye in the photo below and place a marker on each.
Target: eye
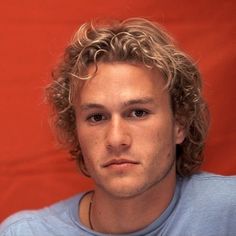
(95, 118)
(138, 113)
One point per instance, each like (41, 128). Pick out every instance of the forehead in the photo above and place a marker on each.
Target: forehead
(121, 81)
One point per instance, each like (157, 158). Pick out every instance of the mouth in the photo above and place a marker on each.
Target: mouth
(119, 162)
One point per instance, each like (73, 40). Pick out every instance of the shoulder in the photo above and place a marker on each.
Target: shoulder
(211, 186)
(38, 222)
(210, 182)
(210, 193)
(18, 223)
(209, 201)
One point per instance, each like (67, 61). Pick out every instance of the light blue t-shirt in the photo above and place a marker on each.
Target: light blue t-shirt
(203, 205)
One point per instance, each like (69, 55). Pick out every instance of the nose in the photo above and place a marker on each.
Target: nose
(118, 138)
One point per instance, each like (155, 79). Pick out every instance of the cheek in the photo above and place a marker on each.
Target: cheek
(154, 132)
(89, 145)
(90, 142)
(157, 140)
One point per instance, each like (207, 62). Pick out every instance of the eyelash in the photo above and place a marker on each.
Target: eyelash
(144, 113)
(92, 116)
(127, 114)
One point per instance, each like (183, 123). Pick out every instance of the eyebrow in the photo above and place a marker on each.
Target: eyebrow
(144, 100)
(88, 106)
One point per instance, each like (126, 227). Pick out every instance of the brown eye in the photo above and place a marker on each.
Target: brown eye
(96, 118)
(138, 113)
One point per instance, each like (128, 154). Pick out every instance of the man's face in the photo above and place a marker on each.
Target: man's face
(126, 129)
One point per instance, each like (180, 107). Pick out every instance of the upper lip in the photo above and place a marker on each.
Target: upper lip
(118, 161)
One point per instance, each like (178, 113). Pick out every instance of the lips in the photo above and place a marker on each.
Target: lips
(119, 162)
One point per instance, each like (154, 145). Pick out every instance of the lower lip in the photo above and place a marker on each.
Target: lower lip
(121, 166)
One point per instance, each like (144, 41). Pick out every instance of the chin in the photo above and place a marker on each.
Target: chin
(121, 190)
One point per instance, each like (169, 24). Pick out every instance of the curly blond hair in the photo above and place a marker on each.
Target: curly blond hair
(138, 41)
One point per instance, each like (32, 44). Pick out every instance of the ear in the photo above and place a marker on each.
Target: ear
(179, 133)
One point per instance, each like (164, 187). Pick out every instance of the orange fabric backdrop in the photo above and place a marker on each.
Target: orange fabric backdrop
(33, 170)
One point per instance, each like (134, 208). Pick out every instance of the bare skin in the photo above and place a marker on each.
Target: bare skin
(128, 135)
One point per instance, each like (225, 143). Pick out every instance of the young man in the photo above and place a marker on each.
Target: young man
(128, 105)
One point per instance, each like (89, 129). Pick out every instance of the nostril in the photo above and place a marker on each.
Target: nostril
(118, 147)
(117, 135)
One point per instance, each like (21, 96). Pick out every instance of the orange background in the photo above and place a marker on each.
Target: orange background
(34, 172)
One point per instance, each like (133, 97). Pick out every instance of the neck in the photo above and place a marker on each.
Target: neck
(110, 214)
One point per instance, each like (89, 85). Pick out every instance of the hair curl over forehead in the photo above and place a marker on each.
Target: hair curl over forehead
(136, 41)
